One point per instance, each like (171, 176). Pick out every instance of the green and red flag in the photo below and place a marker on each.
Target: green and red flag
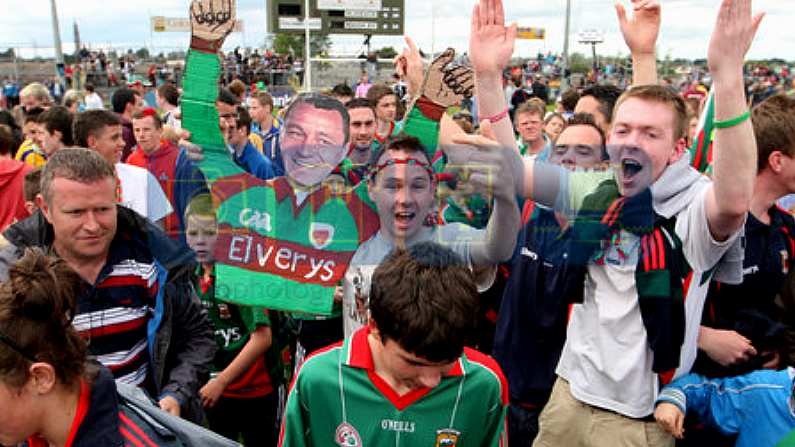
(701, 150)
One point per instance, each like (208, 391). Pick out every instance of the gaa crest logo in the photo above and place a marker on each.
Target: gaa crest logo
(320, 235)
(347, 436)
(447, 437)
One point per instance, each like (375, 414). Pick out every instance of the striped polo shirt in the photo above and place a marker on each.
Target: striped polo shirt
(113, 314)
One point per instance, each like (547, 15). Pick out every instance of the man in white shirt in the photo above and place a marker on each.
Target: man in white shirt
(93, 100)
(101, 130)
(610, 370)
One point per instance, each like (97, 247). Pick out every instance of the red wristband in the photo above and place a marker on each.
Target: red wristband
(205, 46)
(430, 109)
(493, 119)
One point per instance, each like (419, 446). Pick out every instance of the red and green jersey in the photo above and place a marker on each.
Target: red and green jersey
(298, 250)
(233, 326)
(337, 399)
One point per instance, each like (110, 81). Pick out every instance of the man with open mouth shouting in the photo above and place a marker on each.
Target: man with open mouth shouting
(649, 253)
(403, 187)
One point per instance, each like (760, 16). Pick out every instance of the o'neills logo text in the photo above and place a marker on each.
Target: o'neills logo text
(401, 426)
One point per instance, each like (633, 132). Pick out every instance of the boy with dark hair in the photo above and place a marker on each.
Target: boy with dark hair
(31, 188)
(125, 103)
(168, 101)
(343, 92)
(403, 186)
(101, 131)
(384, 101)
(599, 101)
(406, 378)
(243, 151)
(56, 127)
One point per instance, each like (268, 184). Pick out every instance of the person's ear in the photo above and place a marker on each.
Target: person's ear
(679, 150)
(91, 141)
(374, 329)
(775, 161)
(45, 209)
(42, 377)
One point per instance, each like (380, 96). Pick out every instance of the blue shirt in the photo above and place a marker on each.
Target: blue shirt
(271, 147)
(531, 326)
(755, 406)
(253, 162)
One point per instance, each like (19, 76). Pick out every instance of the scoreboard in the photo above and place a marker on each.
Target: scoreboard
(374, 17)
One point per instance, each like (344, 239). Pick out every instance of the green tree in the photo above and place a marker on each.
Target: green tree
(285, 43)
(142, 54)
(578, 63)
(387, 53)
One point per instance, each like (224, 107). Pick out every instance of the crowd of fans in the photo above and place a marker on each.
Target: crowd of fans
(468, 209)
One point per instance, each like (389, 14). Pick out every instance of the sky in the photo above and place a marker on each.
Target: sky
(686, 26)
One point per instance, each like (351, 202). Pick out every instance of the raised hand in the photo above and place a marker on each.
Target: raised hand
(490, 41)
(734, 31)
(641, 31)
(447, 84)
(409, 66)
(212, 20)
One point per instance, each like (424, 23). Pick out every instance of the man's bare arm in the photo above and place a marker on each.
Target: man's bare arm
(735, 147)
(640, 34)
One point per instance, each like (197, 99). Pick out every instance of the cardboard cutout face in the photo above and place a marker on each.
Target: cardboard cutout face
(313, 139)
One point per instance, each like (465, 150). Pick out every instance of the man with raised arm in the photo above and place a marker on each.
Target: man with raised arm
(650, 251)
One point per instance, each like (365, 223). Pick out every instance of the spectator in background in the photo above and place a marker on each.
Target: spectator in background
(567, 103)
(529, 124)
(363, 86)
(72, 100)
(243, 151)
(34, 95)
(362, 130)
(31, 188)
(168, 103)
(599, 100)
(56, 128)
(268, 128)
(540, 89)
(554, 124)
(178, 176)
(101, 131)
(6, 118)
(126, 102)
(93, 100)
(238, 88)
(30, 150)
(384, 101)
(343, 93)
(12, 178)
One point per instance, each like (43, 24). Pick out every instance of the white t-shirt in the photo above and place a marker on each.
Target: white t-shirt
(141, 192)
(606, 358)
(356, 286)
(94, 102)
